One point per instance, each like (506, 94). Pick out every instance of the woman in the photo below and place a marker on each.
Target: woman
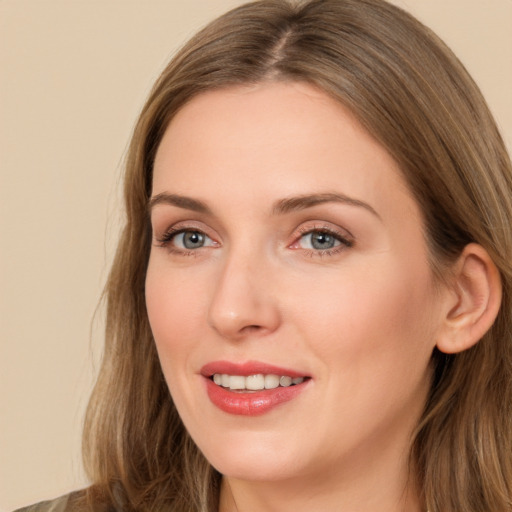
(310, 303)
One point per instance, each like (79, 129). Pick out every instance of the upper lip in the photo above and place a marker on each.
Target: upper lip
(247, 368)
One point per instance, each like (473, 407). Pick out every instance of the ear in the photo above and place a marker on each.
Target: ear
(472, 302)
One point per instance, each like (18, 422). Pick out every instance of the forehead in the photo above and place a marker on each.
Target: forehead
(276, 138)
(275, 115)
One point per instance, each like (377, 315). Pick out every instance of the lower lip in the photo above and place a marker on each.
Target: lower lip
(251, 404)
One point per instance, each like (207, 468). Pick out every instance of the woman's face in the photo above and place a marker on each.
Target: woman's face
(287, 246)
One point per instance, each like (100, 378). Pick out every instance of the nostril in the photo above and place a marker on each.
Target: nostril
(252, 328)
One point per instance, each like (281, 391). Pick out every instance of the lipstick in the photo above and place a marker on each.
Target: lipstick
(232, 397)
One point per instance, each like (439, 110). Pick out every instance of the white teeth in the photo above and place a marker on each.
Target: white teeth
(256, 382)
(285, 381)
(271, 381)
(236, 382)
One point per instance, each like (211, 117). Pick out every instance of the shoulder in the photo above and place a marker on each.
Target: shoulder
(58, 505)
(73, 502)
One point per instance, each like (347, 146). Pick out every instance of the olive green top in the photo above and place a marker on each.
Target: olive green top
(58, 505)
(73, 502)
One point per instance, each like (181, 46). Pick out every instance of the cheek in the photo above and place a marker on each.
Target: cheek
(374, 339)
(380, 312)
(175, 305)
(175, 308)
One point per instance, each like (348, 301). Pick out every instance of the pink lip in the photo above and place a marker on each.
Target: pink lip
(252, 403)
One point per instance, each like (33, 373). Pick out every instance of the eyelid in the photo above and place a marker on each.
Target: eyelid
(164, 225)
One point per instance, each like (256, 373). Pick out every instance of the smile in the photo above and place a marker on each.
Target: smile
(256, 382)
(252, 388)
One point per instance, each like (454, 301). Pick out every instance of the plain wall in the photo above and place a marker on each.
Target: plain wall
(73, 76)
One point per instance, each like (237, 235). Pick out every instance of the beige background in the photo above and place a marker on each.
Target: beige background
(74, 74)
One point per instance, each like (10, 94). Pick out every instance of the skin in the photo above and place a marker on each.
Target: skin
(360, 319)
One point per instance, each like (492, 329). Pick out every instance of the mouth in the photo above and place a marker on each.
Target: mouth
(252, 388)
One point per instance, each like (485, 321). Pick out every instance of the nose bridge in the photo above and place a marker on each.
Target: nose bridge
(242, 301)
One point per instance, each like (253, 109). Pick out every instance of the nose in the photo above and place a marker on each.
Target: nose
(244, 303)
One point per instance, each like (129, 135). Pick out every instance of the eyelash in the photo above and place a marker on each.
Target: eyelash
(167, 238)
(345, 242)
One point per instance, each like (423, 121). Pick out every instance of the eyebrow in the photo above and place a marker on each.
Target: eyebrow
(302, 202)
(280, 207)
(187, 203)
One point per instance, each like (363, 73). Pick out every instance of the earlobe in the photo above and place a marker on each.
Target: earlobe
(475, 299)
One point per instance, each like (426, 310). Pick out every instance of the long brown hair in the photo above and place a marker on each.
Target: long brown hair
(414, 96)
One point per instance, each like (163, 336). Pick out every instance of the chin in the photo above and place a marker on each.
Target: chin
(254, 460)
(256, 470)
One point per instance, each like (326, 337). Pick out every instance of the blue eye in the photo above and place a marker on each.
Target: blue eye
(180, 240)
(319, 240)
(190, 240)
